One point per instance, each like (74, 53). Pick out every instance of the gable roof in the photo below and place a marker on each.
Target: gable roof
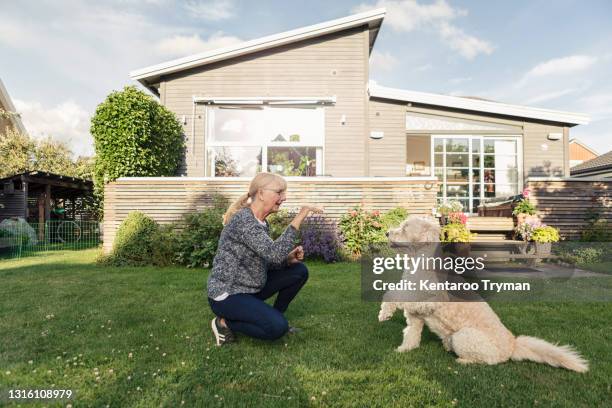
(598, 163)
(476, 105)
(582, 144)
(7, 104)
(150, 75)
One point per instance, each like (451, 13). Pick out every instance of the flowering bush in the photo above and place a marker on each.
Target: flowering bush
(545, 234)
(457, 218)
(393, 217)
(360, 228)
(320, 238)
(448, 207)
(526, 229)
(455, 232)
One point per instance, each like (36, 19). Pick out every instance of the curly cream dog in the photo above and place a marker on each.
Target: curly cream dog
(471, 330)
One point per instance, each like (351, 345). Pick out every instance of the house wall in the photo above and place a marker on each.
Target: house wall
(566, 203)
(541, 157)
(167, 199)
(336, 64)
(387, 156)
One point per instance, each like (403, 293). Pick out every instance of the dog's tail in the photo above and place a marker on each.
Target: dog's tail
(540, 351)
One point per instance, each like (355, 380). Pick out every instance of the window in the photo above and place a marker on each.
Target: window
(247, 139)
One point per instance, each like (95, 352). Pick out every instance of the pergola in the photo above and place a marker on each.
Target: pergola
(38, 196)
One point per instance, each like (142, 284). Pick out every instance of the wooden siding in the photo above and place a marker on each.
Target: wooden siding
(13, 205)
(565, 203)
(167, 199)
(543, 157)
(387, 156)
(333, 65)
(578, 152)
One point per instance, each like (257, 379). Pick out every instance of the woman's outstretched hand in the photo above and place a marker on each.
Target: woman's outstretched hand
(311, 209)
(304, 211)
(295, 256)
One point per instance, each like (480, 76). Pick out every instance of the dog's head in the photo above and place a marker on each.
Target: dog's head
(415, 229)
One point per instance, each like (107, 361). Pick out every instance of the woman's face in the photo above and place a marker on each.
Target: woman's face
(272, 196)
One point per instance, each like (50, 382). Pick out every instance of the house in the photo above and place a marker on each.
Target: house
(600, 166)
(579, 152)
(301, 103)
(8, 114)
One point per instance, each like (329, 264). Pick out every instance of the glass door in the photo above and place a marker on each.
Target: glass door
(472, 168)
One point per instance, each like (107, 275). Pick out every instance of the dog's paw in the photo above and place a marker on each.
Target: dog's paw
(384, 315)
(403, 349)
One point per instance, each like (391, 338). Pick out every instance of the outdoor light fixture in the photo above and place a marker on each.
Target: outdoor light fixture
(343, 119)
(377, 134)
(555, 136)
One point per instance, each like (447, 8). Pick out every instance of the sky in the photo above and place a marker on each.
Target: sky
(59, 59)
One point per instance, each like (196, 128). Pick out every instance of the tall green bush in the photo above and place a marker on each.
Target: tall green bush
(134, 136)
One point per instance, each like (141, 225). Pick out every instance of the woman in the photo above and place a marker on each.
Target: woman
(250, 267)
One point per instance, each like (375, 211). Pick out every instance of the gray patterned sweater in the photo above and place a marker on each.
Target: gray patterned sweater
(245, 253)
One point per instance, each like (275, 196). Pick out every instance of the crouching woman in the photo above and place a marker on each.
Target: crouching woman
(250, 267)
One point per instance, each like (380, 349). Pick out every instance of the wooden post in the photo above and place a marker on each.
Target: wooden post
(41, 217)
(47, 202)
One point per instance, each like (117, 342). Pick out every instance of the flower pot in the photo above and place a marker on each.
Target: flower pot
(543, 249)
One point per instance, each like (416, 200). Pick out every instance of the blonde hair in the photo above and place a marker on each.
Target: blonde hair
(260, 181)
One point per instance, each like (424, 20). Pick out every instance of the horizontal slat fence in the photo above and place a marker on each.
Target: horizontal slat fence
(565, 203)
(166, 199)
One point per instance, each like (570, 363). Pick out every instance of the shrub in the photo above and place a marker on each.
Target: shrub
(455, 232)
(278, 222)
(165, 245)
(320, 239)
(198, 241)
(360, 228)
(544, 234)
(394, 217)
(134, 240)
(597, 229)
(134, 136)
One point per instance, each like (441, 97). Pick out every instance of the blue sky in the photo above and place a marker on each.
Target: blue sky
(61, 58)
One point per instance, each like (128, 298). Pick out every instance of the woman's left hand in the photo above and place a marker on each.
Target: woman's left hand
(295, 256)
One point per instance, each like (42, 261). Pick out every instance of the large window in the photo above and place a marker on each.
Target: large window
(245, 140)
(473, 168)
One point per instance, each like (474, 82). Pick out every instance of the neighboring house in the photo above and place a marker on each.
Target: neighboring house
(301, 103)
(600, 166)
(10, 118)
(579, 153)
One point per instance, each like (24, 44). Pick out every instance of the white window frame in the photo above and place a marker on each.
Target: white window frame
(319, 150)
(480, 138)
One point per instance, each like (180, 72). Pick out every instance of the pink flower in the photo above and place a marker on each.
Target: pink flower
(375, 213)
(526, 192)
(354, 213)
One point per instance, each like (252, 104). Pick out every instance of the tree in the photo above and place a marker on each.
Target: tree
(134, 136)
(16, 152)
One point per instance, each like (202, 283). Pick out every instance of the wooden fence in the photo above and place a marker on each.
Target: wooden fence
(166, 199)
(566, 203)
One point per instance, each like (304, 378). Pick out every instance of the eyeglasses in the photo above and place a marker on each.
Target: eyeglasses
(279, 192)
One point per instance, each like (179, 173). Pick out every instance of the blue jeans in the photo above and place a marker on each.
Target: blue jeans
(247, 313)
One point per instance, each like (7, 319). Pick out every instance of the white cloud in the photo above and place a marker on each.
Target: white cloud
(382, 61)
(460, 80)
(560, 66)
(211, 10)
(409, 15)
(183, 45)
(467, 45)
(67, 122)
(534, 100)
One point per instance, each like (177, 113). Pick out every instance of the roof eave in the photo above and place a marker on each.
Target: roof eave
(371, 18)
(7, 102)
(455, 102)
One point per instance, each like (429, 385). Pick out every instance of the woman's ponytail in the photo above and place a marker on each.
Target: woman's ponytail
(240, 203)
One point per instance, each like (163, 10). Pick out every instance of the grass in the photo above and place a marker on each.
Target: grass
(601, 267)
(66, 322)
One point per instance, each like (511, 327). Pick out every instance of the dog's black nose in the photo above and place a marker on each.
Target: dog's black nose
(387, 234)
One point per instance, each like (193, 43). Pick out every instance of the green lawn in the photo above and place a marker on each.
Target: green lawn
(140, 337)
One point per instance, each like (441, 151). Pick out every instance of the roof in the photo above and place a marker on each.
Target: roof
(476, 105)
(581, 143)
(51, 177)
(149, 76)
(602, 162)
(5, 100)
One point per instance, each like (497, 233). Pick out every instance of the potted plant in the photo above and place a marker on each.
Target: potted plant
(444, 209)
(523, 208)
(459, 236)
(544, 236)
